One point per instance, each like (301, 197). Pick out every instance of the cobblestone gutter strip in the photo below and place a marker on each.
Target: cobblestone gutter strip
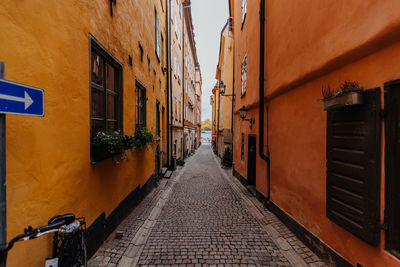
(136, 246)
(286, 249)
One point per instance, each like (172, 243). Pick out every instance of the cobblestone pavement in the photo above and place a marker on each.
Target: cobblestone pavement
(202, 216)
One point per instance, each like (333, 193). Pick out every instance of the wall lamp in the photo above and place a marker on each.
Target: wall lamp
(222, 88)
(243, 113)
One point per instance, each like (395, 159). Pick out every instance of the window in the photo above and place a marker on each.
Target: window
(156, 33)
(172, 11)
(105, 91)
(180, 111)
(244, 9)
(175, 65)
(244, 75)
(175, 142)
(140, 103)
(242, 148)
(176, 108)
(158, 118)
(162, 51)
(141, 52)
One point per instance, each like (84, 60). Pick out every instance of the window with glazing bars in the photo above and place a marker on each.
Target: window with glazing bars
(105, 91)
(156, 33)
(140, 103)
(158, 118)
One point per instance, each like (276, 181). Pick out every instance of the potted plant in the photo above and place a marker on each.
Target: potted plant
(347, 94)
(226, 161)
(111, 144)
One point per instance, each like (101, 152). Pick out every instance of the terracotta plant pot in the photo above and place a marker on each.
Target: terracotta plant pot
(349, 99)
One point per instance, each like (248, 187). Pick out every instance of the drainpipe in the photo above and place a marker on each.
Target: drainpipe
(233, 84)
(183, 78)
(167, 64)
(169, 84)
(261, 101)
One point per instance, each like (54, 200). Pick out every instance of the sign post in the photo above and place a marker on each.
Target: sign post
(3, 203)
(19, 99)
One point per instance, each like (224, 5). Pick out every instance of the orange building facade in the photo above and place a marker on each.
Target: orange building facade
(331, 176)
(77, 52)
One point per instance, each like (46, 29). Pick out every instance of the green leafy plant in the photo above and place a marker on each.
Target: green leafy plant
(115, 142)
(142, 137)
(180, 162)
(344, 88)
(227, 158)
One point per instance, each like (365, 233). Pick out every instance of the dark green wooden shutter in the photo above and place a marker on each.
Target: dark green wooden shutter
(392, 168)
(353, 167)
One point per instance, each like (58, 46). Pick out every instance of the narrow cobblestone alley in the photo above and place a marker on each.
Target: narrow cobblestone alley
(203, 216)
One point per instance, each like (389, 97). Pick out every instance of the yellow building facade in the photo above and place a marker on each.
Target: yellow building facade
(70, 48)
(224, 76)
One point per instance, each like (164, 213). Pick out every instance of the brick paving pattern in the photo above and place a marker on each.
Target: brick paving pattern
(203, 217)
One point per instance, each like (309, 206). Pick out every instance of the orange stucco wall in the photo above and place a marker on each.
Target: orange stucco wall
(310, 44)
(46, 44)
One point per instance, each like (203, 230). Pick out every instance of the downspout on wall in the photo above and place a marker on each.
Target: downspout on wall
(233, 80)
(169, 85)
(183, 78)
(261, 101)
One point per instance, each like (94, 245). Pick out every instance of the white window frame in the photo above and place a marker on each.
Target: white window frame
(244, 75)
(244, 10)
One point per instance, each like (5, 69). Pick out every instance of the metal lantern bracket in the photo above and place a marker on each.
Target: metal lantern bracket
(243, 113)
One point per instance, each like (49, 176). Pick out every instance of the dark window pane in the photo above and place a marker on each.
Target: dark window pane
(97, 68)
(111, 126)
(111, 107)
(97, 126)
(110, 78)
(97, 107)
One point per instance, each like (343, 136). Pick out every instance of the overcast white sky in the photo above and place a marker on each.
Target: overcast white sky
(209, 16)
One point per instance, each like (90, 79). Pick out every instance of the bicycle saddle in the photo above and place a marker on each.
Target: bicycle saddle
(68, 218)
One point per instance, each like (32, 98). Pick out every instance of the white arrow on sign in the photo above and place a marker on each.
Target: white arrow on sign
(27, 99)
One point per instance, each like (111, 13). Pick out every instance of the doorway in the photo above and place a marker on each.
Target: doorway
(251, 160)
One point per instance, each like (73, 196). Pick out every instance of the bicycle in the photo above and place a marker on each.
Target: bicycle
(69, 245)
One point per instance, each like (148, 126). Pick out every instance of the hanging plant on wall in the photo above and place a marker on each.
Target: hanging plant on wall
(111, 144)
(347, 94)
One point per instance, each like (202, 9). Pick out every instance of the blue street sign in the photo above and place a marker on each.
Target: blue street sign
(21, 99)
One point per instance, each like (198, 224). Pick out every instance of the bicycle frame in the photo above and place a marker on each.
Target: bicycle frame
(64, 227)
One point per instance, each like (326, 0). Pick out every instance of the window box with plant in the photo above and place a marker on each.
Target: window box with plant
(113, 144)
(347, 94)
(142, 137)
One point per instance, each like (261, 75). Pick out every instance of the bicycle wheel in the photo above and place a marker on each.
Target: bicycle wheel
(72, 252)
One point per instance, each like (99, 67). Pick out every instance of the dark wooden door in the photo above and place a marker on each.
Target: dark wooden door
(251, 160)
(392, 167)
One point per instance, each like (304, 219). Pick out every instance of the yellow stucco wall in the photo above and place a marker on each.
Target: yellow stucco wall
(225, 67)
(46, 44)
